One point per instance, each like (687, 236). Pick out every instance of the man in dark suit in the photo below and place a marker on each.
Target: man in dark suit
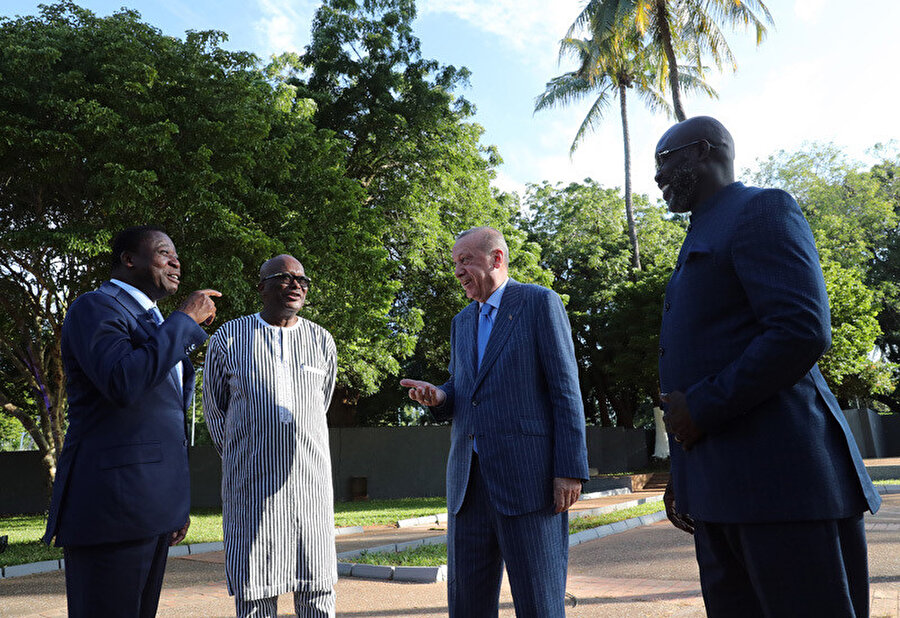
(765, 472)
(121, 493)
(518, 453)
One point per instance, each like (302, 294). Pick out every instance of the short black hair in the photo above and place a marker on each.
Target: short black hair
(130, 240)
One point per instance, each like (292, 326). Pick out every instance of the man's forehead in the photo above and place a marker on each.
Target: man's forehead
(290, 265)
(156, 240)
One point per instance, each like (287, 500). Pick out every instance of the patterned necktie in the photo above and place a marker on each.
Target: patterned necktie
(485, 324)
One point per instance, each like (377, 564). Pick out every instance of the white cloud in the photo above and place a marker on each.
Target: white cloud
(808, 10)
(285, 24)
(522, 24)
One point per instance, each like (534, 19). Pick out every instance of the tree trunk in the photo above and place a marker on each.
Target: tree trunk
(342, 411)
(665, 35)
(629, 207)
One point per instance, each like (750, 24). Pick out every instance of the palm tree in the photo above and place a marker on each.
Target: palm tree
(689, 27)
(610, 63)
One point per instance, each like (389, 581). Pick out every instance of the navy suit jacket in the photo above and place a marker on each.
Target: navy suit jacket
(745, 320)
(123, 471)
(523, 405)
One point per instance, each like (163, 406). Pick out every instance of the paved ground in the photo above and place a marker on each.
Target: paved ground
(643, 572)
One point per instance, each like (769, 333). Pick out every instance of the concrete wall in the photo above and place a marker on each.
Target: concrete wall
(876, 435)
(396, 462)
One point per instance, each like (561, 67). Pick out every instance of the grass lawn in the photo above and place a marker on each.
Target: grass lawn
(436, 555)
(25, 531)
(887, 482)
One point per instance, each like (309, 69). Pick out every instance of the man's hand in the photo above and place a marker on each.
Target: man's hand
(425, 393)
(682, 521)
(678, 420)
(200, 307)
(565, 493)
(178, 536)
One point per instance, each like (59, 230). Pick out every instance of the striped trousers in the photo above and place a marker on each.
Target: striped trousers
(307, 604)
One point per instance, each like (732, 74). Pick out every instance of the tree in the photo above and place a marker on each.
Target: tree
(104, 123)
(610, 63)
(852, 219)
(411, 146)
(615, 312)
(689, 28)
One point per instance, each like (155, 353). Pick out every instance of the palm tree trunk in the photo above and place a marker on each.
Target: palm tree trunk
(629, 208)
(665, 35)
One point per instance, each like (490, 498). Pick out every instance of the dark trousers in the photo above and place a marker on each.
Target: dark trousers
(792, 569)
(116, 579)
(534, 546)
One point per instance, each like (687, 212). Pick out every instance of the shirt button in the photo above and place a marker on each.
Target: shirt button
(474, 403)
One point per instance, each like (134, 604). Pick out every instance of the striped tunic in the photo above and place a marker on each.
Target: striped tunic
(265, 393)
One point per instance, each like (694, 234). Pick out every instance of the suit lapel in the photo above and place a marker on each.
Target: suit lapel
(143, 318)
(504, 323)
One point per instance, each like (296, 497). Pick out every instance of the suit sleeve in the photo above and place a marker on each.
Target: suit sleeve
(216, 393)
(776, 262)
(101, 341)
(557, 357)
(444, 412)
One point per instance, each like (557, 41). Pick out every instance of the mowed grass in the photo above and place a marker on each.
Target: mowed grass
(25, 531)
(436, 555)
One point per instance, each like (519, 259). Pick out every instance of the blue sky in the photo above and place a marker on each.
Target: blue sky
(826, 72)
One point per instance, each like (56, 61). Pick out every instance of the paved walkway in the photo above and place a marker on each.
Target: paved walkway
(647, 571)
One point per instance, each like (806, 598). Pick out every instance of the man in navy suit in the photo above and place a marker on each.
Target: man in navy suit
(121, 493)
(765, 472)
(517, 454)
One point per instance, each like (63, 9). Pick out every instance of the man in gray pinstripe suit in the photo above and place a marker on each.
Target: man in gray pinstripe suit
(517, 454)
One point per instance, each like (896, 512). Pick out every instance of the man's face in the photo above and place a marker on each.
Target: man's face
(476, 270)
(155, 268)
(284, 294)
(676, 174)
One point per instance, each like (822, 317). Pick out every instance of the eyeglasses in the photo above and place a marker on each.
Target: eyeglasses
(286, 279)
(662, 155)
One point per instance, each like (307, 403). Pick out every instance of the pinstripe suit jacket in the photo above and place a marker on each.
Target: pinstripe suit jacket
(745, 319)
(523, 405)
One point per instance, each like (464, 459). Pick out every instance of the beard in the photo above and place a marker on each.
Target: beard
(682, 188)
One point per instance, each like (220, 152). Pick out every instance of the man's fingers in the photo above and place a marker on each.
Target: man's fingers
(210, 292)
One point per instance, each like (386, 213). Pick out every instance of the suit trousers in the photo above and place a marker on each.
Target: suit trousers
(534, 547)
(785, 569)
(116, 579)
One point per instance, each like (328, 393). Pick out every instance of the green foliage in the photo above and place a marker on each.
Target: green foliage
(853, 214)
(108, 123)
(615, 312)
(410, 144)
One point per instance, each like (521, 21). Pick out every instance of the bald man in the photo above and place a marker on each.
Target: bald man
(517, 452)
(267, 384)
(765, 472)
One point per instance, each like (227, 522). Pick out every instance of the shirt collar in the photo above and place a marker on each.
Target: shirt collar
(142, 299)
(494, 299)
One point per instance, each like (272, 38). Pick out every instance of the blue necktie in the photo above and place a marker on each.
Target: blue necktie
(485, 324)
(155, 314)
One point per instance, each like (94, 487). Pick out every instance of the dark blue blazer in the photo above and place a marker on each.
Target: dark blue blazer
(745, 320)
(123, 471)
(523, 405)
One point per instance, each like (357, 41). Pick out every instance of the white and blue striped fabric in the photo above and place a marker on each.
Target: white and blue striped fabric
(265, 394)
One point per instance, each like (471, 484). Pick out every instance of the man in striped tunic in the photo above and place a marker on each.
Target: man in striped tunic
(267, 383)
